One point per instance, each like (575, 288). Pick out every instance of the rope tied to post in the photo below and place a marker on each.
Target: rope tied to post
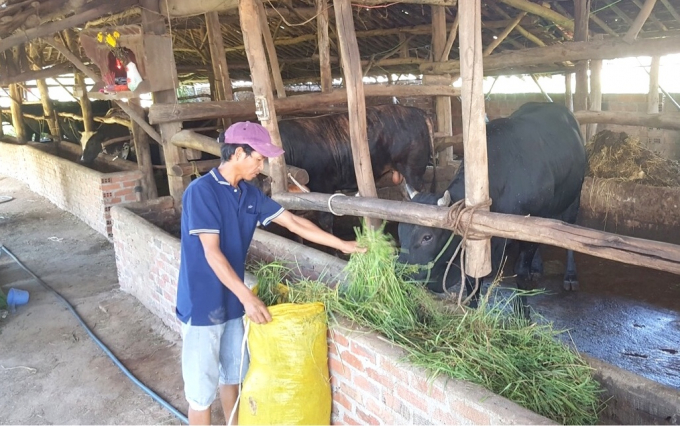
(454, 220)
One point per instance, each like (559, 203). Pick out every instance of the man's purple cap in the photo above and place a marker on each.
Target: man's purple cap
(252, 134)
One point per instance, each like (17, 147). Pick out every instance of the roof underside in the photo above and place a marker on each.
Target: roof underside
(393, 38)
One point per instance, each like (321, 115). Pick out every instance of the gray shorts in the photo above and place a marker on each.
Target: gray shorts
(211, 356)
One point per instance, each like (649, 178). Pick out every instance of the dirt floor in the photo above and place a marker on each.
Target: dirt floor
(51, 372)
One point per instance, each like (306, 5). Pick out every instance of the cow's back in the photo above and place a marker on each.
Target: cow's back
(537, 161)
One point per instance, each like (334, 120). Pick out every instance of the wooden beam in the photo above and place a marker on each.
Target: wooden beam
(92, 10)
(15, 109)
(154, 23)
(251, 27)
(451, 38)
(271, 52)
(442, 103)
(88, 72)
(502, 36)
(222, 82)
(640, 20)
(595, 92)
(569, 51)
(652, 18)
(293, 104)
(543, 12)
(324, 45)
(600, 23)
(79, 85)
(671, 9)
(653, 94)
(40, 74)
(356, 101)
(611, 4)
(634, 251)
(663, 121)
(478, 256)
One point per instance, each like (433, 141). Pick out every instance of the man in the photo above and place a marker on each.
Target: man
(220, 214)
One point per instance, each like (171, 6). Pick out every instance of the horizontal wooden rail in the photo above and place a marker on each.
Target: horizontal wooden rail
(634, 251)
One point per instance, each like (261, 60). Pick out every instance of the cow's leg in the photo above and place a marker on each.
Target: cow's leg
(523, 273)
(570, 282)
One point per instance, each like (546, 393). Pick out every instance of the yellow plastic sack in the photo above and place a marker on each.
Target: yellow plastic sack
(288, 380)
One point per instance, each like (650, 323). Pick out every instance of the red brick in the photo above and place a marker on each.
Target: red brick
(348, 419)
(366, 417)
(123, 192)
(338, 368)
(413, 399)
(339, 398)
(339, 339)
(380, 377)
(129, 184)
(394, 370)
(379, 410)
(354, 362)
(108, 187)
(363, 383)
(115, 200)
(168, 296)
(474, 415)
(445, 417)
(420, 384)
(350, 392)
(362, 351)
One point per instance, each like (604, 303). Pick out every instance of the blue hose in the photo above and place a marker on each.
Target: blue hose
(99, 343)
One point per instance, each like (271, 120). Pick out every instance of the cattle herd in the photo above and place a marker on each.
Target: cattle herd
(536, 159)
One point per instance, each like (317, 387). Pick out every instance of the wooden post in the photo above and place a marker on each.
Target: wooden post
(653, 94)
(442, 103)
(356, 102)
(15, 108)
(48, 110)
(154, 23)
(503, 35)
(271, 51)
(251, 27)
(595, 91)
(568, 92)
(222, 83)
(324, 45)
(478, 257)
(143, 154)
(581, 18)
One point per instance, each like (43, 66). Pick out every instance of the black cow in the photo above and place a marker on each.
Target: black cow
(398, 139)
(537, 163)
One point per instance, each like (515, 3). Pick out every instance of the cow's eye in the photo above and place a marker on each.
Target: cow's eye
(427, 238)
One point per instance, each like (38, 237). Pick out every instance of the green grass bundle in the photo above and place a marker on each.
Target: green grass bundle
(489, 345)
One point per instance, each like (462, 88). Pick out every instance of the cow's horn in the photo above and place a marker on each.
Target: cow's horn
(445, 200)
(411, 192)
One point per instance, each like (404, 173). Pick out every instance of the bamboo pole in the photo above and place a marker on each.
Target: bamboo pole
(356, 102)
(504, 34)
(451, 38)
(143, 154)
(478, 258)
(568, 92)
(640, 20)
(79, 86)
(251, 27)
(634, 251)
(324, 45)
(662, 121)
(219, 62)
(271, 52)
(543, 12)
(581, 13)
(442, 103)
(653, 94)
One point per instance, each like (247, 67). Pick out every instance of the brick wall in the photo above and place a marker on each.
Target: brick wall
(86, 193)
(370, 385)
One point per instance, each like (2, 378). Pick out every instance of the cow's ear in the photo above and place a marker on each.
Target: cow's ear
(445, 201)
(411, 192)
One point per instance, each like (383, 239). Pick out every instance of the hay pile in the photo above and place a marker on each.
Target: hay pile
(613, 155)
(520, 361)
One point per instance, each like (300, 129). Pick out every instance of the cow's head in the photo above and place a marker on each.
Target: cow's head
(421, 245)
(91, 147)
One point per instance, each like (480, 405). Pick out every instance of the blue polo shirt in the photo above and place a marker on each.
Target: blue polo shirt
(211, 205)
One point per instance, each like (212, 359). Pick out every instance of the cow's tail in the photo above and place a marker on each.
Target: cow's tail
(430, 132)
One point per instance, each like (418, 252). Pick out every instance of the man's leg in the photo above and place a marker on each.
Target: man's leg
(200, 369)
(233, 367)
(228, 396)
